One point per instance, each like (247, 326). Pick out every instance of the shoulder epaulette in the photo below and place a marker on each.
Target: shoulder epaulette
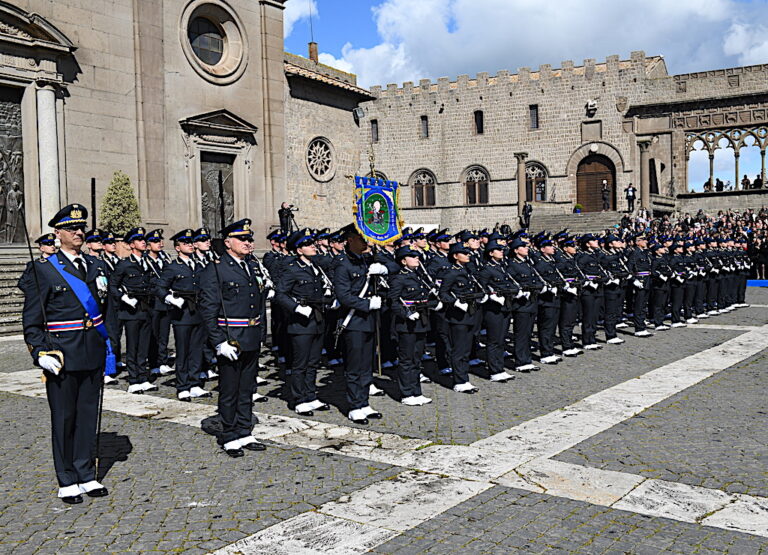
(42, 260)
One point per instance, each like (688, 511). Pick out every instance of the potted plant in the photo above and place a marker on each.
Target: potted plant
(577, 208)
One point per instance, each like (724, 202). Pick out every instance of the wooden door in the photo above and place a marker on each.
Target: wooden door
(589, 179)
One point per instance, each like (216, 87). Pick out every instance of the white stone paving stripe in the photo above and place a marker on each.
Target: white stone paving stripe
(732, 327)
(548, 435)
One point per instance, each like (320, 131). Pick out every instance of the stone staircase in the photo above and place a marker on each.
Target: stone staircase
(591, 222)
(13, 260)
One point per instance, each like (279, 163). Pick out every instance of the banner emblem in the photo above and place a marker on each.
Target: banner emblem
(377, 217)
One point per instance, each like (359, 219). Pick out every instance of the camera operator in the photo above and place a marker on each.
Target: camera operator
(285, 214)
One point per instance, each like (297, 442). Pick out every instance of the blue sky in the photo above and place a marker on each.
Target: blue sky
(392, 41)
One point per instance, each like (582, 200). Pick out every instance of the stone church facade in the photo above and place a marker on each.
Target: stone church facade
(198, 103)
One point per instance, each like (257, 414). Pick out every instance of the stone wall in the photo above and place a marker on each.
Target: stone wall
(713, 202)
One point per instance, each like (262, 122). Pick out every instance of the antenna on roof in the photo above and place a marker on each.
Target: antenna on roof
(311, 29)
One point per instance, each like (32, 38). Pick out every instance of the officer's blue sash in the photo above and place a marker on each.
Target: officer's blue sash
(83, 294)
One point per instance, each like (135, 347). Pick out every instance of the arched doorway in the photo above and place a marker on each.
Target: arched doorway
(589, 179)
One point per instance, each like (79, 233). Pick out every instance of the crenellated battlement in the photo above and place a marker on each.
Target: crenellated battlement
(613, 65)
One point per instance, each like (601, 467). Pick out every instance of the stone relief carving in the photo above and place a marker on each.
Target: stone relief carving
(8, 29)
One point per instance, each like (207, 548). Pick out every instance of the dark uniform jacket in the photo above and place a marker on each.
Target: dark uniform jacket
(523, 273)
(497, 280)
(409, 293)
(589, 264)
(181, 281)
(132, 279)
(349, 279)
(231, 299)
(156, 269)
(459, 285)
(547, 268)
(660, 270)
(437, 266)
(303, 284)
(84, 348)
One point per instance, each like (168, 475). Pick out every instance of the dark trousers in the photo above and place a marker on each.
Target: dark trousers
(442, 340)
(161, 332)
(496, 326)
(659, 299)
(236, 379)
(358, 366)
(713, 286)
(522, 329)
(332, 350)
(189, 355)
(388, 337)
(73, 398)
(410, 347)
(676, 296)
(631, 204)
(137, 334)
(306, 352)
(640, 308)
(589, 308)
(689, 298)
(701, 296)
(547, 323)
(569, 310)
(741, 293)
(614, 297)
(724, 291)
(462, 338)
(114, 329)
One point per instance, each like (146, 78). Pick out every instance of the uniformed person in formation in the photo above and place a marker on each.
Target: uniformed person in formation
(93, 242)
(305, 293)
(179, 288)
(409, 296)
(61, 317)
(231, 303)
(160, 319)
(354, 280)
(131, 291)
(47, 244)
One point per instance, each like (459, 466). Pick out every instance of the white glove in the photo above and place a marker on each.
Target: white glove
(175, 301)
(227, 350)
(637, 283)
(270, 294)
(49, 363)
(521, 294)
(335, 304)
(495, 298)
(545, 289)
(572, 290)
(461, 306)
(414, 316)
(484, 299)
(554, 290)
(614, 281)
(102, 283)
(663, 277)
(130, 301)
(374, 303)
(268, 284)
(305, 311)
(439, 306)
(377, 269)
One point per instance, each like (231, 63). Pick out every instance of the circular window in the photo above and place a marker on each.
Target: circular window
(320, 159)
(207, 40)
(213, 40)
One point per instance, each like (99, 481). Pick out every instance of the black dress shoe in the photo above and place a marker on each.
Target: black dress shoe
(234, 453)
(361, 421)
(98, 492)
(305, 413)
(375, 416)
(262, 399)
(72, 499)
(324, 407)
(255, 446)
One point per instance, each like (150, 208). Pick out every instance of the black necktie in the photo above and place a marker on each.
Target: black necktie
(244, 266)
(80, 268)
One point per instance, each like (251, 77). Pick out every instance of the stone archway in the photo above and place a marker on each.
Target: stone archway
(591, 172)
(590, 149)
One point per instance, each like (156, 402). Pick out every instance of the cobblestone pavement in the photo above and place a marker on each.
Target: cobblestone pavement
(173, 490)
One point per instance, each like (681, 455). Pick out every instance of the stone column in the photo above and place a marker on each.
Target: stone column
(711, 172)
(48, 153)
(645, 178)
(736, 162)
(521, 156)
(762, 167)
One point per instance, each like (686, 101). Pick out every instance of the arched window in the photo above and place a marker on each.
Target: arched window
(476, 184)
(535, 182)
(423, 183)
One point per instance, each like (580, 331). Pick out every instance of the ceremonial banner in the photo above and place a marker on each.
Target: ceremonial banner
(377, 217)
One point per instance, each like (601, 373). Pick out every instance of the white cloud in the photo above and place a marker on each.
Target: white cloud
(435, 38)
(329, 60)
(747, 41)
(296, 10)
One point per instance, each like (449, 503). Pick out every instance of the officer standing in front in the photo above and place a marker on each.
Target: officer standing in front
(130, 290)
(160, 320)
(231, 305)
(354, 282)
(304, 293)
(179, 288)
(73, 380)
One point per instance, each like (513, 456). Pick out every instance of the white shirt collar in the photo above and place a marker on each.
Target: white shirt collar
(73, 257)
